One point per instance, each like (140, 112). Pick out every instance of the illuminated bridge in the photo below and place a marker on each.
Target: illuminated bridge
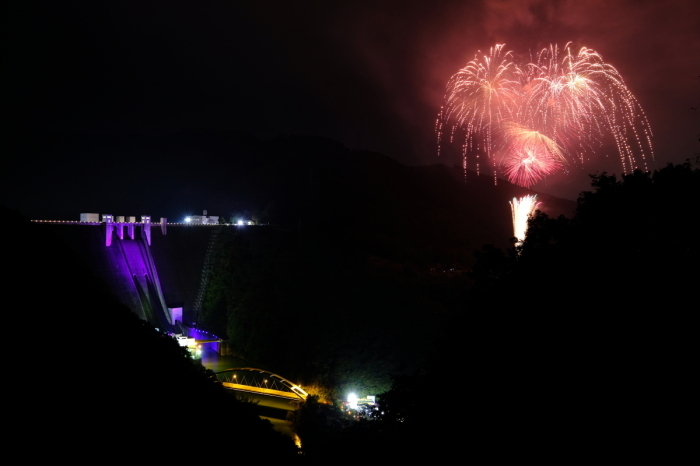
(252, 380)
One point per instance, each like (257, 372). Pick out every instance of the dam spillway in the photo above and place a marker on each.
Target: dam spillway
(149, 280)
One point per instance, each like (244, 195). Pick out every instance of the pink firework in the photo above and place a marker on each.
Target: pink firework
(530, 155)
(532, 119)
(479, 97)
(526, 167)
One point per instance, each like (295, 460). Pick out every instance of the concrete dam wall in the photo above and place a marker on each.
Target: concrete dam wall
(147, 279)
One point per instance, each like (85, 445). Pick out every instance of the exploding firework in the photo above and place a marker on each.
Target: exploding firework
(522, 209)
(530, 155)
(484, 93)
(531, 120)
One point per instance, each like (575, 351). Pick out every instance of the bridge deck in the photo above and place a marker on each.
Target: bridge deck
(265, 391)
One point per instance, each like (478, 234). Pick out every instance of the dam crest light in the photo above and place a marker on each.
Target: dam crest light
(111, 225)
(119, 223)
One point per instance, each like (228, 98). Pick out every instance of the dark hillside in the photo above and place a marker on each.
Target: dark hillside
(358, 260)
(419, 215)
(365, 259)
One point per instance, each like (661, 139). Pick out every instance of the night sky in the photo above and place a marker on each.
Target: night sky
(369, 74)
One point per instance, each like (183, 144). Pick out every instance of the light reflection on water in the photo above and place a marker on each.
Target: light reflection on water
(210, 357)
(212, 360)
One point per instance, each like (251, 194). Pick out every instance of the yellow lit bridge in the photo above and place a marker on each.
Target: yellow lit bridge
(252, 380)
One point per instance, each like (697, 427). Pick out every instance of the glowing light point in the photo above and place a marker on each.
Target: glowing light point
(352, 401)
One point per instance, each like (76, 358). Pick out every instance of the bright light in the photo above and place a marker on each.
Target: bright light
(240, 222)
(300, 391)
(522, 209)
(188, 219)
(352, 401)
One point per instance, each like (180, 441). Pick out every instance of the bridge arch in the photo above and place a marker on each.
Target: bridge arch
(276, 387)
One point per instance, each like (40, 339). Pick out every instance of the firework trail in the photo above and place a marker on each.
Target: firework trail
(522, 209)
(532, 120)
(481, 96)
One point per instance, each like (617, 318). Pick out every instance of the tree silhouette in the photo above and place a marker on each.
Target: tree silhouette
(589, 324)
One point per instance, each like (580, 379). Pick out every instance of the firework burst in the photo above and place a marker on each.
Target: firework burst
(529, 155)
(530, 120)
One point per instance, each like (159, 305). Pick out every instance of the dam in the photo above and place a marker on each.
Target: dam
(156, 270)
